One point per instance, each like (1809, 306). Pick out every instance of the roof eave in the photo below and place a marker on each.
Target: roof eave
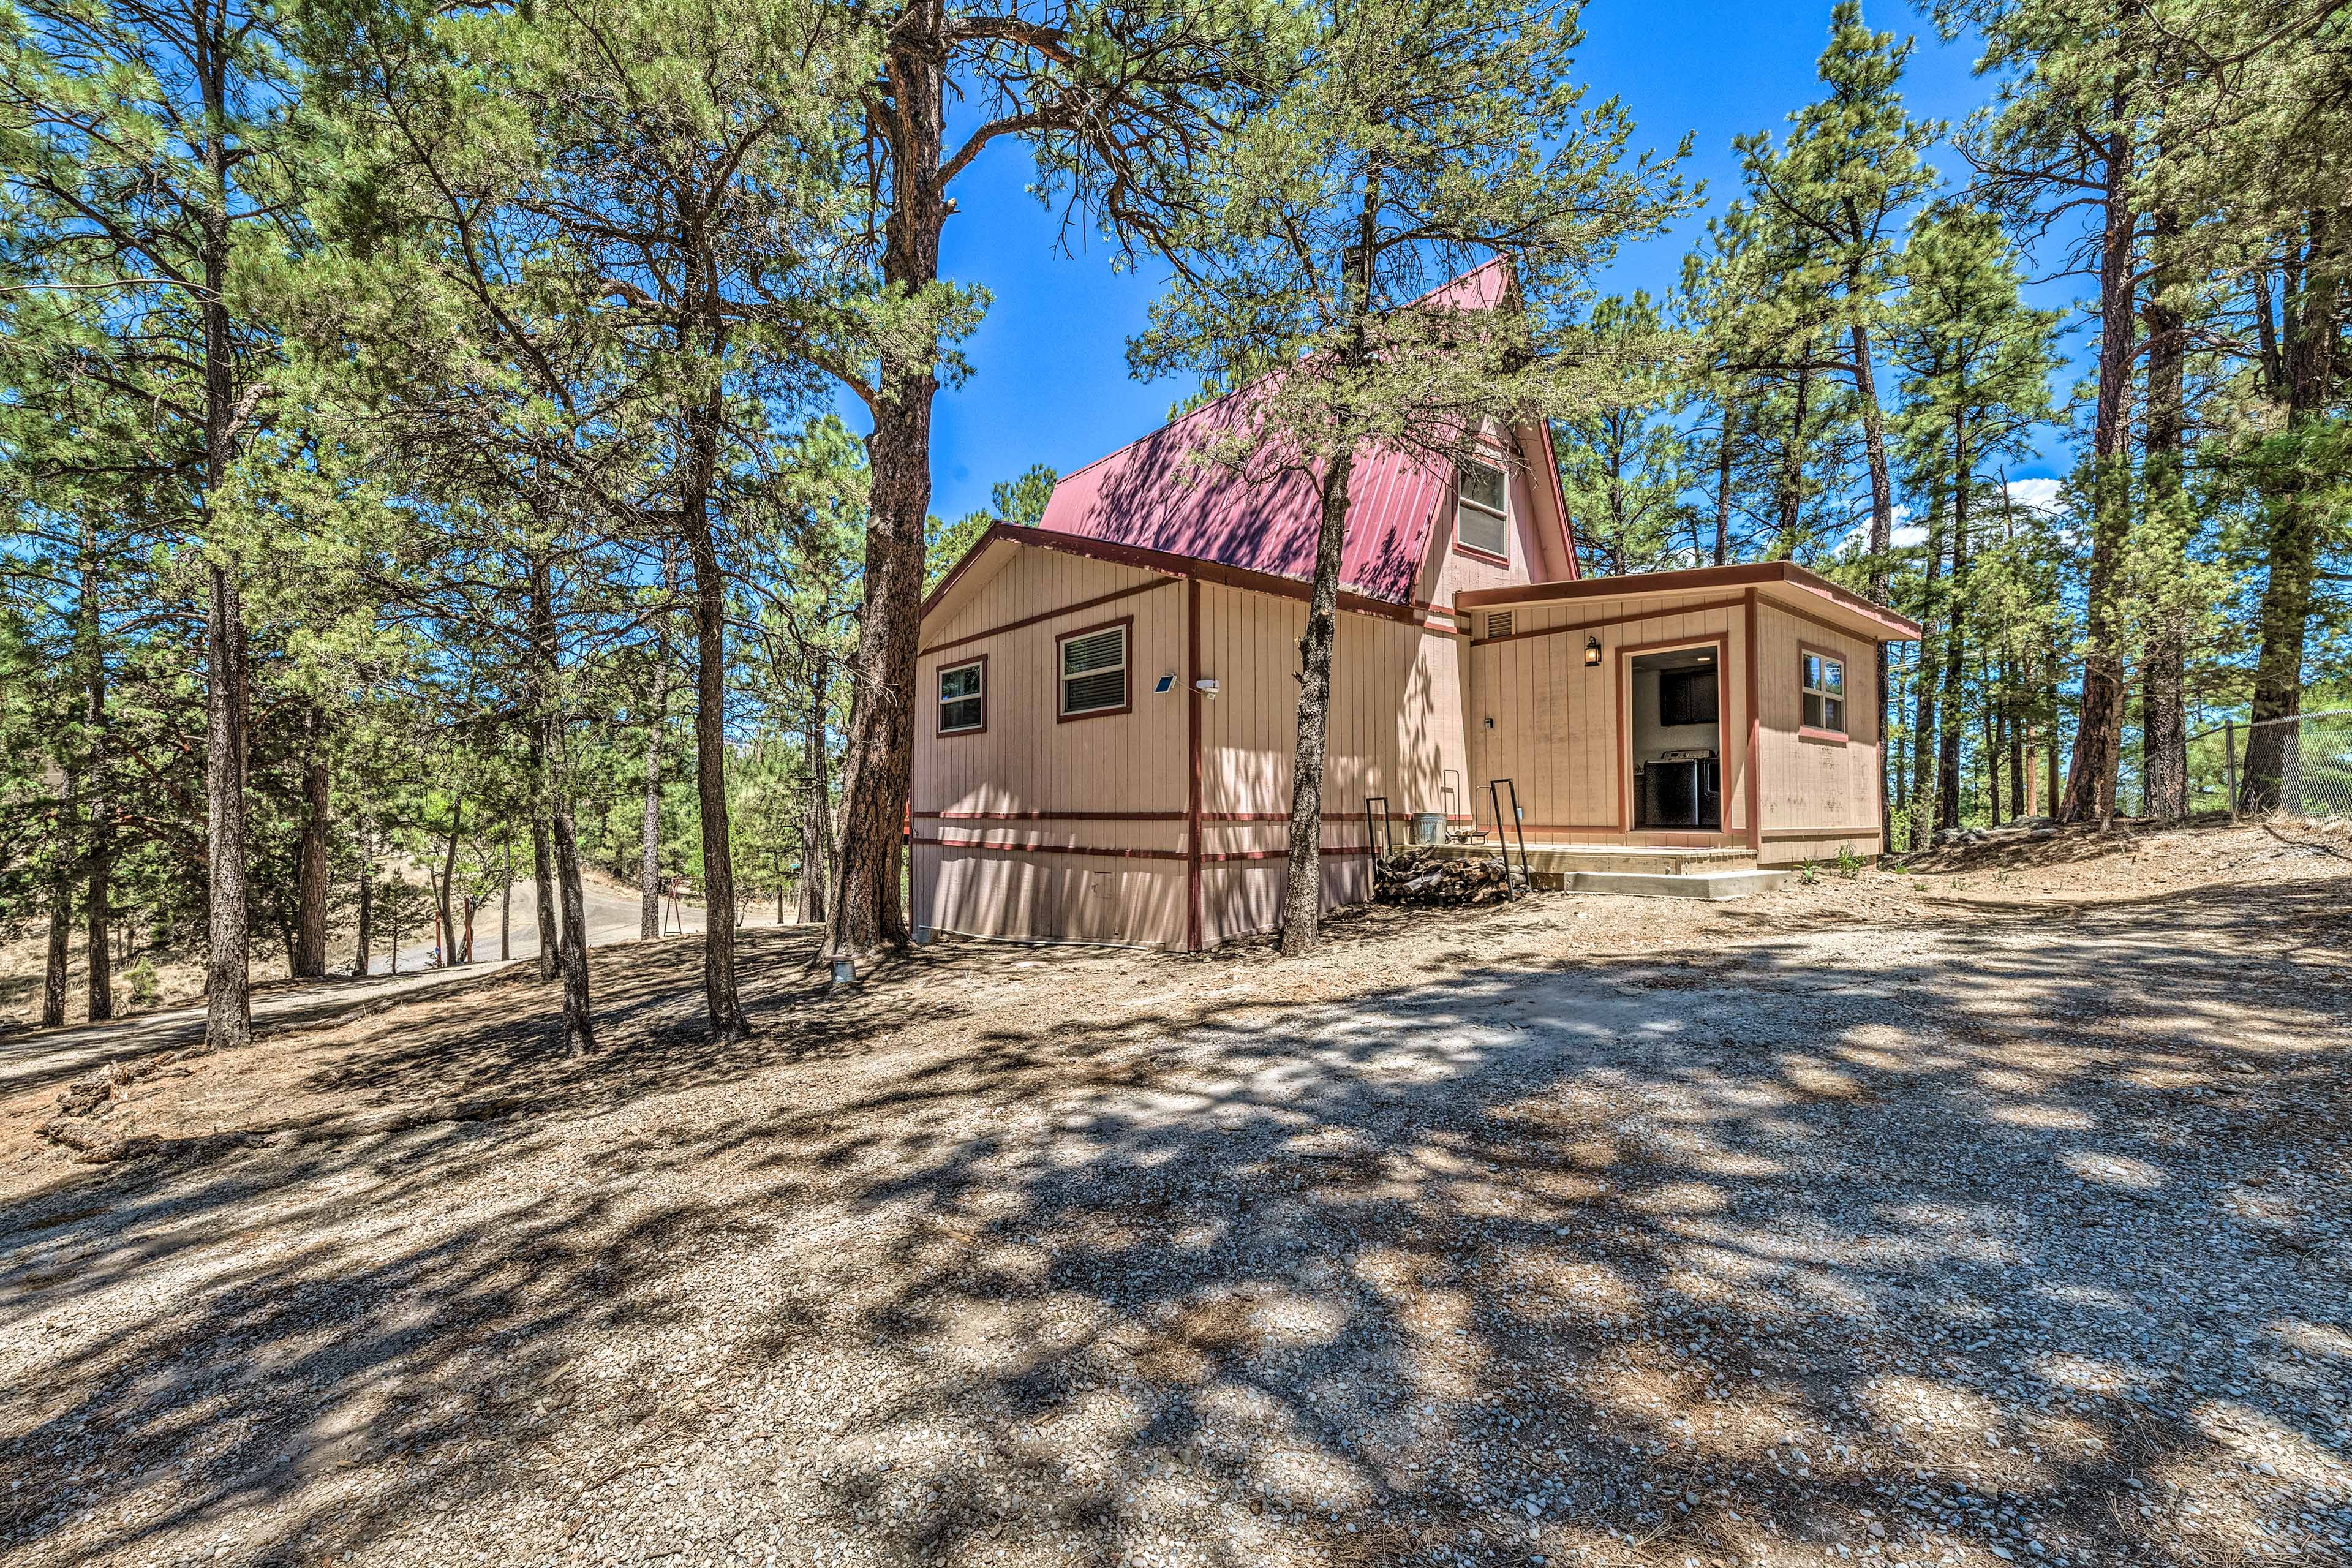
(1885, 624)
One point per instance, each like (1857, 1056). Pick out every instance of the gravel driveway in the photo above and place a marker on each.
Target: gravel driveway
(2010, 1236)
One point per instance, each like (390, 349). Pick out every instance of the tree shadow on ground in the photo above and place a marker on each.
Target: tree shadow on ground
(1725, 1255)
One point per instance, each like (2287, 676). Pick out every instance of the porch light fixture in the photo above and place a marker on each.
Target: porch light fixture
(1592, 653)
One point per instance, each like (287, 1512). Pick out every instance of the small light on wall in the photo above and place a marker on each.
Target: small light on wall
(1207, 687)
(1591, 653)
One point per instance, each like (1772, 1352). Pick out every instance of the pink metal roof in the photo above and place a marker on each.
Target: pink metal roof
(1156, 494)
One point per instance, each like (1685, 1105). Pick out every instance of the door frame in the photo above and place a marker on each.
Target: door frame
(1721, 643)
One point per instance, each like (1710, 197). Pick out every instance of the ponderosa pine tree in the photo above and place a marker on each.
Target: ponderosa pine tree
(1976, 363)
(140, 199)
(1840, 186)
(1115, 100)
(1402, 142)
(1624, 461)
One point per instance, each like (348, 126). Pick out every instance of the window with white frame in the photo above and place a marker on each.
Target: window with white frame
(1480, 521)
(1094, 672)
(1824, 681)
(963, 696)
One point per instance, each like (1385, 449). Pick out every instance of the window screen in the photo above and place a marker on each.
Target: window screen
(962, 700)
(1824, 687)
(1094, 672)
(1686, 697)
(1478, 514)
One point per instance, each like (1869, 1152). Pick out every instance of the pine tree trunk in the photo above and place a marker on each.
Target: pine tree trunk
(649, 847)
(1882, 541)
(878, 759)
(2312, 323)
(723, 1011)
(360, 958)
(1723, 452)
(1955, 650)
(542, 861)
(97, 899)
(1923, 711)
(505, 904)
(228, 1002)
(816, 809)
(2164, 717)
(1793, 471)
(2099, 726)
(60, 954)
(1302, 903)
(310, 863)
(578, 1026)
(443, 889)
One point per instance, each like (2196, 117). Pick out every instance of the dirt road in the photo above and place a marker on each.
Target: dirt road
(1965, 1219)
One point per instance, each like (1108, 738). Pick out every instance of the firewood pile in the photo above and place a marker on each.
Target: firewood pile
(1419, 875)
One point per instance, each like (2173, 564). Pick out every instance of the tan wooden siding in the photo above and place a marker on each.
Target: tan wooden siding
(992, 809)
(1819, 795)
(1393, 729)
(1555, 729)
(1537, 555)
(1035, 583)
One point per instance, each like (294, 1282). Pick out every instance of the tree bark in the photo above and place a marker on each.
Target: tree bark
(721, 1008)
(562, 947)
(878, 759)
(60, 954)
(99, 851)
(2311, 325)
(359, 962)
(1302, 903)
(579, 1026)
(446, 885)
(1882, 538)
(1923, 710)
(543, 862)
(1792, 470)
(2098, 730)
(657, 705)
(310, 865)
(2164, 717)
(505, 904)
(816, 810)
(1955, 648)
(1723, 455)
(229, 1003)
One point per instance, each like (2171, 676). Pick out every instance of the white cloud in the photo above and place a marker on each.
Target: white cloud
(2044, 496)
(1904, 537)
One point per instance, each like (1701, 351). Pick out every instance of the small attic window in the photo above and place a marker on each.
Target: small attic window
(1480, 522)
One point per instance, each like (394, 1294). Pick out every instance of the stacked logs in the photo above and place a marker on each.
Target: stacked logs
(1419, 875)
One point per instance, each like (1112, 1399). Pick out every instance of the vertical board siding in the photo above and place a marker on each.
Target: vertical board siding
(1393, 729)
(1810, 785)
(1555, 730)
(1027, 761)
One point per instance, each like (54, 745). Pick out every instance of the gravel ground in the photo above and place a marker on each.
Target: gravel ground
(1995, 1216)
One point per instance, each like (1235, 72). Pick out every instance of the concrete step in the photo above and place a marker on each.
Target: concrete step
(1714, 886)
(1573, 859)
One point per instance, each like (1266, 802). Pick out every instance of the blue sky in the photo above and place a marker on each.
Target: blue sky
(1050, 381)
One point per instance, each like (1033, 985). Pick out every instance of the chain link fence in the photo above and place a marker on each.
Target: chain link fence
(2298, 767)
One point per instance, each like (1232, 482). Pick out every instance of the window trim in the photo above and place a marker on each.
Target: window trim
(1843, 697)
(939, 703)
(1501, 465)
(1125, 672)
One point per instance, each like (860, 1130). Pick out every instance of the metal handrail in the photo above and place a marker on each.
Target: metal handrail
(1386, 830)
(1503, 840)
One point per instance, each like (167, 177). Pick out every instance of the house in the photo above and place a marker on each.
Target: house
(1106, 702)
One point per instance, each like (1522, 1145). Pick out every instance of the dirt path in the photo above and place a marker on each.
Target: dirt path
(1926, 1220)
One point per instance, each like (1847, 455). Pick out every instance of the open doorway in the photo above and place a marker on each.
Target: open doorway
(1678, 739)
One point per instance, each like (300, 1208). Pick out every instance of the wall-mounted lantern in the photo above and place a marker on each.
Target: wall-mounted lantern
(1592, 653)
